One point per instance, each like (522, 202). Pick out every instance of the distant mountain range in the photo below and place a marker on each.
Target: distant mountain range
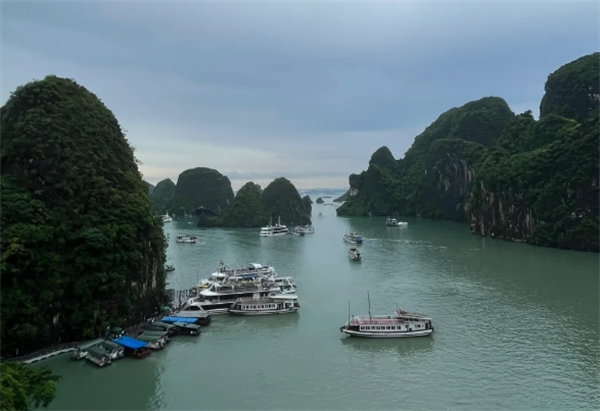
(320, 192)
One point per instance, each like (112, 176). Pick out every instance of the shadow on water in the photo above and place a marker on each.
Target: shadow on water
(403, 347)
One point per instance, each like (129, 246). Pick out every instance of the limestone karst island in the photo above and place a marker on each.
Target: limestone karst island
(121, 291)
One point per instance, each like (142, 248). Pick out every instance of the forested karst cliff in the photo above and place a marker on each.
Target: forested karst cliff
(81, 249)
(254, 207)
(201, 187)
(508, 176)
(162, 195)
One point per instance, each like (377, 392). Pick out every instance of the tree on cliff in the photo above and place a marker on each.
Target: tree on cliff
(23, 388)
(246, 210)
(201, 187)
(283, 200)
(572, 91)
(163, 194)
(81, 249)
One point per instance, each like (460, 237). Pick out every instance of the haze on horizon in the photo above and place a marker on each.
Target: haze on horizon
(304, 90)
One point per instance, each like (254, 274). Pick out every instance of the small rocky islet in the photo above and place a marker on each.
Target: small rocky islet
(83, 248)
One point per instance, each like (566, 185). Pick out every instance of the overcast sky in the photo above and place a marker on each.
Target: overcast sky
(305, 90)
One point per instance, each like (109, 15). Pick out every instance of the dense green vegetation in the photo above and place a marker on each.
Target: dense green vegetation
(163, 194)
(320, 201)
(510, 176)
(23, 387)
(81, 249)
(307, 204)
(343, 197)
(253, 207)
(201, 187)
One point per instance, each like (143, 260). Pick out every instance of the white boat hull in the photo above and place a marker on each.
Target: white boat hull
(402, 334)
(264, 312)
(273, 234)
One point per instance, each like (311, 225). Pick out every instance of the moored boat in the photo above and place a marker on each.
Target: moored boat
(274, 230)
(187, 328)
(156, 340)
(81, 350)
(188, 239)
(133, 347)
(401, 325)
(306, 229)
(98, 356)
(354, 254)
(169, 267)
(273, 304)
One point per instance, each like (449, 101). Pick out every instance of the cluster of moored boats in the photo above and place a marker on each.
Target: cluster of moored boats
(152, 335)
(279, 229)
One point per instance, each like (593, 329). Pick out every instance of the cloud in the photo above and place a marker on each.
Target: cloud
(302, 89)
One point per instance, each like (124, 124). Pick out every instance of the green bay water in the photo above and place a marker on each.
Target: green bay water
(516, 327)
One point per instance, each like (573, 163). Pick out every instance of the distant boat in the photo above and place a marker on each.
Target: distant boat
(353, 238)
(320, 215)
(307, 229)
(354, 254)
(392, 222)
(169, 267)
(167, 218)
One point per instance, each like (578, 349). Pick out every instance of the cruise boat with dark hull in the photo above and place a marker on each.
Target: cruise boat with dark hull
(401, 325)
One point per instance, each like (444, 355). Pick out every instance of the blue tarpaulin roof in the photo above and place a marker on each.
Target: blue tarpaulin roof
(180, 319)
(129, 342)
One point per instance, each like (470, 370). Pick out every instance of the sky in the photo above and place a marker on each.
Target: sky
(306, 90)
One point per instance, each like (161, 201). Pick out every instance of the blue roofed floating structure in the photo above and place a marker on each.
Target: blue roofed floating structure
(129, 342)
(190, 320)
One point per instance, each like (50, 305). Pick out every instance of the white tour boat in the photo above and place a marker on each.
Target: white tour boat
(353, 238)
(354, 254)
(392, 222)
(251, 272)
(307, 229)
(273, 304)
(402, 324)
(274, 230)
(189, 239)
(218, 298)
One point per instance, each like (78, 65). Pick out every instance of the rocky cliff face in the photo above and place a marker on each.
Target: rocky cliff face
(435, 176)
(201, 187)
(81, 249)
(510, 177)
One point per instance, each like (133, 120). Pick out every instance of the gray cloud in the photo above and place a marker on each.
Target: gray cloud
(312, 80)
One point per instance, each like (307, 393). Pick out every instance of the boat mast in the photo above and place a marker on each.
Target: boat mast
(348, 311)
(369, 300)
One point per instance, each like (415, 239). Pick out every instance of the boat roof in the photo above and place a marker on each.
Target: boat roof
(161, 324)
(129, 342)
(365, 319)
(110, 344)
(149, 337)
(96, 351)
(89, 344)
(180, 319)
